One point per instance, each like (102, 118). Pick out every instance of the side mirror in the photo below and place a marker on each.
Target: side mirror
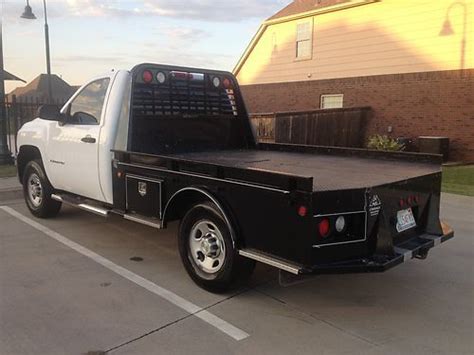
(49, 112)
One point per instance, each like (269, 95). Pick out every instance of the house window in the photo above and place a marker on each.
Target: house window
(332, 101)
(304, 40)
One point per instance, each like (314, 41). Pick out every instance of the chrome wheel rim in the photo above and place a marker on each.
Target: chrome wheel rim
(35, 190)
(207, 247)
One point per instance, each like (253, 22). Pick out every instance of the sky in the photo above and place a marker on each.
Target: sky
(89, 37)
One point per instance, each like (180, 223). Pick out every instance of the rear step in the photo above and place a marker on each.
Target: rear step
(72, 201)
(271, 260)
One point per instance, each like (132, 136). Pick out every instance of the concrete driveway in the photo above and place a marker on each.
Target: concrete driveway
(81, 284)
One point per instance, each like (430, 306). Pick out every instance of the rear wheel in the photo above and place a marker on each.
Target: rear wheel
(208, 252)
(37, 191)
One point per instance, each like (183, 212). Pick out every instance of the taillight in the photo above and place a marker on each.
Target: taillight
(147, 76)
(324, 227)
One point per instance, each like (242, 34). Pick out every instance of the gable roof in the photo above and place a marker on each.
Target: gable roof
(38, 89)
(300, 6)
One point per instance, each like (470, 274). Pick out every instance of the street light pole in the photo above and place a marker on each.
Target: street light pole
(5, 154)
(28, 14)
(447, 29)
(48, 58)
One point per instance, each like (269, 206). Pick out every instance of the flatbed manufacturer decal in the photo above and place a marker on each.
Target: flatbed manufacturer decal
(375, 205)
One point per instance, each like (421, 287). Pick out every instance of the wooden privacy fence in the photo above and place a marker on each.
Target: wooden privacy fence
(344, 127)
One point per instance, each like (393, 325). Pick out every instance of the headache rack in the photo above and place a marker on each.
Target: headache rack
(175, 109)
(172, 92)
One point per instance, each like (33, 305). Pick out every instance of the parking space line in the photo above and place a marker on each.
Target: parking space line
(168, 295)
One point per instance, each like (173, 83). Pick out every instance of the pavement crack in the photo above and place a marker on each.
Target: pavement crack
(293, 308)
(176, 321)
(150, 332)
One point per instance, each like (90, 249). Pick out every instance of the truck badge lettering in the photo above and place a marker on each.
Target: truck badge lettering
(142, 188)
(375, 205)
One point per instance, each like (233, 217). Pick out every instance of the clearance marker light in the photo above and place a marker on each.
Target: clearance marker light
(161, 77)
(147, 76)
(216, 81)
(227, 83)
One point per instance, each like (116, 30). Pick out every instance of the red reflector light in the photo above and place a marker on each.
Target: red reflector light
(402, 202)
(147, 76)
(323, 228)
(417, 199)
(302, 211)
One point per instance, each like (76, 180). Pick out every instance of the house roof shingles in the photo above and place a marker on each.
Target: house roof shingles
(300, 6)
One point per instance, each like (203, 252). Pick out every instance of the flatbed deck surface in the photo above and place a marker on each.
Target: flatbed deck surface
(330, 172)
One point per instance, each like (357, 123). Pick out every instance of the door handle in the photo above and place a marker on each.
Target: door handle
(88, 139)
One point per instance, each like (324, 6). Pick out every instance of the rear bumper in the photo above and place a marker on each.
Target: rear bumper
(416, 247)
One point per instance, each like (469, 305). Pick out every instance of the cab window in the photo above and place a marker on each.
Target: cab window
(86, 108)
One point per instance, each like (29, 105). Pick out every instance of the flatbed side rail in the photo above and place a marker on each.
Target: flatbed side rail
(354, 152)
(257, 177)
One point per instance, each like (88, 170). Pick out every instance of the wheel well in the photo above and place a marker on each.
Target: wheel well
(182, 201)
(26, 154)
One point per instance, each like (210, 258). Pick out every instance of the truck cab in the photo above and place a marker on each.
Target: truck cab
(76, 151)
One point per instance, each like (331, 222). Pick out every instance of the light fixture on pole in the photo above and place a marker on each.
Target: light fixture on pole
(29, 15)
(447, 29)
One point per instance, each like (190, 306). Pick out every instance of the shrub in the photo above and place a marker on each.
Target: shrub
(379, 142)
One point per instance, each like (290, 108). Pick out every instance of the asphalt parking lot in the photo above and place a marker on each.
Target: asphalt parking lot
(81, 284)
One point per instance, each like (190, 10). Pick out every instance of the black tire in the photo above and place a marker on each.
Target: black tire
(40, 203)
(233, 270)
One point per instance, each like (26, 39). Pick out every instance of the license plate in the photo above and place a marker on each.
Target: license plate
(405, 220)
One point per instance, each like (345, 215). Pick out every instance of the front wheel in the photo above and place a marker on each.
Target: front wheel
(37, 191)
(208, 252)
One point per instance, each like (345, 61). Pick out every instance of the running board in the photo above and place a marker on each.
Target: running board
(100, 211)
(143, 220)
(271, 260)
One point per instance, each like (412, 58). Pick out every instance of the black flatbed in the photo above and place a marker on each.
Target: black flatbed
(329, 172)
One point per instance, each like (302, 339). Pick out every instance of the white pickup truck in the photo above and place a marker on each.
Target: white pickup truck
(161, 143)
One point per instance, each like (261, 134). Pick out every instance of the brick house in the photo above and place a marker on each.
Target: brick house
(411, 61)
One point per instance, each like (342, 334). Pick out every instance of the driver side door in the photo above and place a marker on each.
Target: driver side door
(74, 143)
